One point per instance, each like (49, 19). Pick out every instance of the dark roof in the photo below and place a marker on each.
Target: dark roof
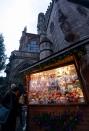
(32, 35)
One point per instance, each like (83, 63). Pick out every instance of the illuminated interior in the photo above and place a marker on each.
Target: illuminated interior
(56, 86)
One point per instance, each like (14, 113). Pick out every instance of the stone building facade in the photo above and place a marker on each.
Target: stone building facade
(63, 24)
(27, 54)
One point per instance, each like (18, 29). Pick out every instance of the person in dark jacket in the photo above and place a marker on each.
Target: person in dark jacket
(11, 101)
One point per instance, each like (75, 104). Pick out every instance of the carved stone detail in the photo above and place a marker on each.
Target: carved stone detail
(51, 27)
(82, 10)
(61, 16)
(41, 24)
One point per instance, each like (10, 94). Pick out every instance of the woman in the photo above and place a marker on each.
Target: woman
(11, 101)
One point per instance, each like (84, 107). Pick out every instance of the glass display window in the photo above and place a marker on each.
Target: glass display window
(56, 86)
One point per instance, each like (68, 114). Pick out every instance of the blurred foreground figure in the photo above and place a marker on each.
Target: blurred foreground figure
(11, 101)
(22, 107)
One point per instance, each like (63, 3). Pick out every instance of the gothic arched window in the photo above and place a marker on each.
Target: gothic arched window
(61, 16)
(51, 27)
(33, 46)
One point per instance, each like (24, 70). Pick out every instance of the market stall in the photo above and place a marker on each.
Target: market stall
(56, 91)
(52, 94)
(60, 85)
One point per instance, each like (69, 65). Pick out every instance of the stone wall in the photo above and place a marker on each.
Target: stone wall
(23, 57)
(20, 60)
(68, 23)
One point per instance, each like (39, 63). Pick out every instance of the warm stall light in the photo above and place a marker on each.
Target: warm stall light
(60, 85)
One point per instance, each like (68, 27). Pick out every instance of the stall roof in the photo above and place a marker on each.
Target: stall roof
(55, 57)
